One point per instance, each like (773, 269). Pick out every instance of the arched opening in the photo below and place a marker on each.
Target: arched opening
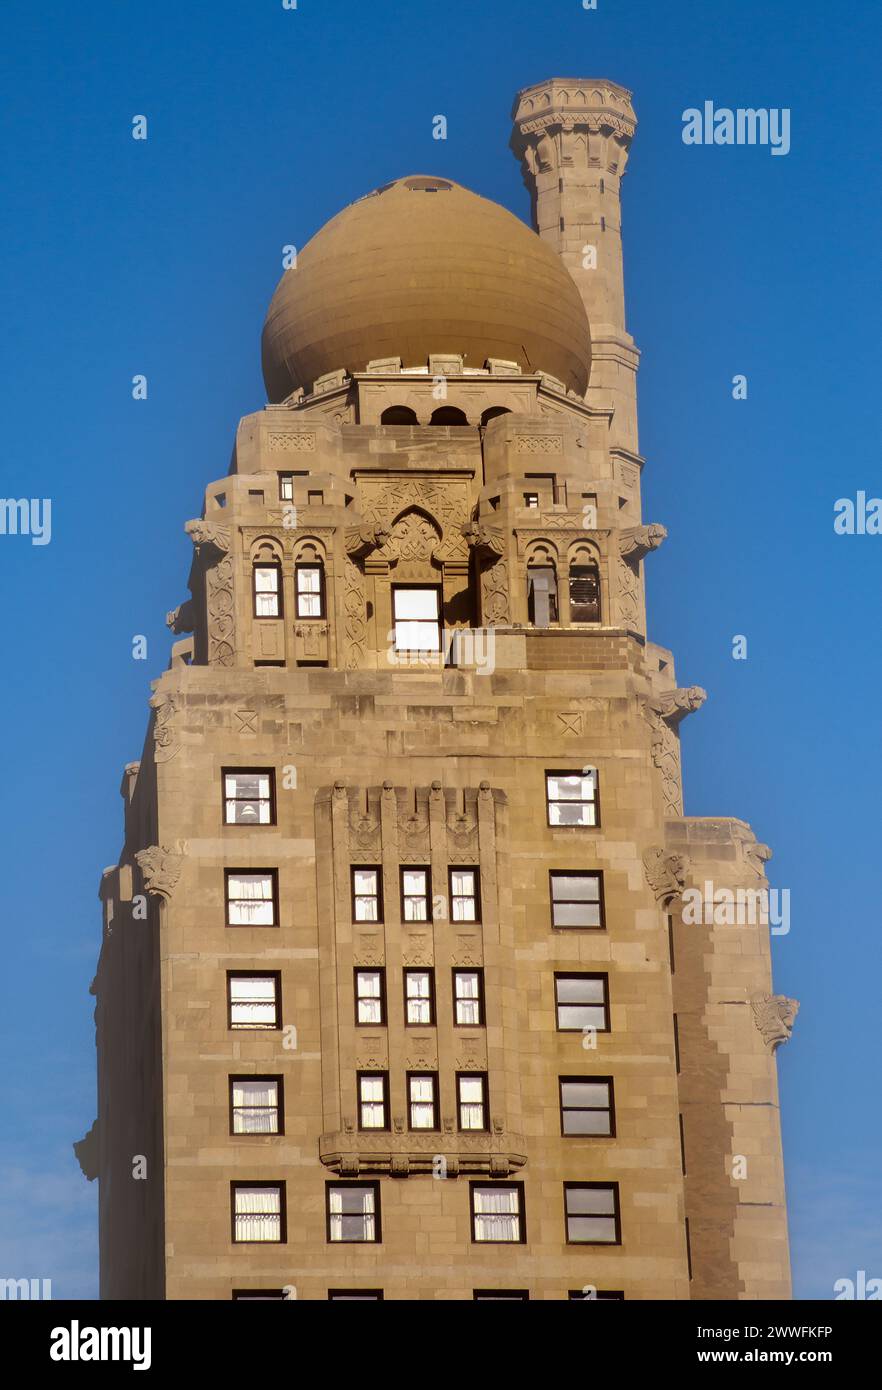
(398, 415)
(448, 415)
(584, 592)
(493, 412)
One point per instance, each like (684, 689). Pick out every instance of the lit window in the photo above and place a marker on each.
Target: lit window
(471, 1100)
(586, 1106)
(465, 902)
(286, 487)
(497, 1212)
(417, 617)
(468, 998)
(353, 1212)
(571, 797)
(259, 1212)
(370, 1004)
(415, 895)
(251, 898)
(419, 997)
(366, 901)
(373, 1100)
(248, 798)
(310, 589)
(581, 1002)
(256, 1105)
(531, 500)
(267, 591)
(584, 594)
(254, 1000)
(576, 900)
(592, 1213)
(421, 1097)
(541, 595)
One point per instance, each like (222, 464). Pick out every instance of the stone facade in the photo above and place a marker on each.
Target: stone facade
(381, 760)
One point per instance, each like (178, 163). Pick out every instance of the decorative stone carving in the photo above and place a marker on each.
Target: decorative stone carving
(634, 543)
(289, 442)
(87, 1151)
(756, 855)
(384, 500)
(205, 534)
(538, 444)
(774, 1016)
(495, 595)
(484, 540)
(356, 615)
(161, 868)
(414, 538)
(180, 619)
(165, 741)
(663, 713)
(666, 874)
(402, 1152)
(360, 540)
(637, 541)
(221, 613)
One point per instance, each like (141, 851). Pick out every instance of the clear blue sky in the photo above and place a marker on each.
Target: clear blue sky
(160, 257)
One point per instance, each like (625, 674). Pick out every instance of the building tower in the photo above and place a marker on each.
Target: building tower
(395, 996)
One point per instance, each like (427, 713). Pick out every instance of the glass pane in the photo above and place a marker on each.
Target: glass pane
(575, 988)
(266, 581)
(571, 813)
(596, 1200)
(417, 983)
(573, 887)
(463, 882)
(264, 988)
(414, 881)
(416, 603)
(577, 914)
(586, 1122)
(309, 581)
(417, 637)
(599, 1228)
(572, 788)
(365, 881)
(471, 1088)
(593, 1093)
(580, 1016)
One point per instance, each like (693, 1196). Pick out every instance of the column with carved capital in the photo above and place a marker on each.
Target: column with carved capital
(572, 138)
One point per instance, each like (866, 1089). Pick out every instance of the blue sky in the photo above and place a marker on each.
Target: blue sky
(160, 257)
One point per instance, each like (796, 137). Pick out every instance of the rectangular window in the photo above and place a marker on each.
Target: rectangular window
(571, 798)
(468, 998)
(581, 1001)
(531, 500)
(577, 900)
(258, 1295)
(367, 900)
(373, 1100)
(471, 1100)
(267, 591)
(254, 1000)
(422, 1100)
(355, 1295)
(286, 487)
(591, 1294)
(256, 1105)
(501, 1296)
(353, 1212)
(586, 1106)
(584, 594)
(370, 997)
(310, 591)
(415, 895)
(592, 1213)
(258, 1212)
(252, 898)
(498, 1213)
(465, 895)
(541, 595)
(417, 617)
(315, 499)
(419, 998)
(249, 796)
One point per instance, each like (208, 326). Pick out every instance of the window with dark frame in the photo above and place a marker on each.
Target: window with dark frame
(465, 895)
(471, 1100)
(259, 1296)
(254, 999)
(595, 1295)
(571, 798)
(355, 1295)
(542, 595)
(256, 1105)
(581, 1001)
(367, 896)
(416, 615)
(500, 1296)
(419, 998)
(249, 796)
(587, 1107)
(267, 591)
(468, 998)
(258, 1213)
(373, 1099)
(353, 1213)
(531, 501)
(252, 898)
(370, 996)
(497, 1213)
(577, 899)
(422, 1100)
(415, 894)
(592, 1213)
(584, 594)
(309, 587)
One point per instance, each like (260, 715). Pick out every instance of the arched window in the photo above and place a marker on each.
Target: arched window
(493, 412)
(266, 572)
(584, 591)
(398, 415)
(309, 588)
(542, 594)
(448, 415)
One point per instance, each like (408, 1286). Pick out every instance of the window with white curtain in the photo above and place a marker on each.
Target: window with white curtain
(353, 1212)
(497, 1212)
(592, 1213)
(248, 797)
(267, 591)
(310, 591)
(422, 1090)
(373, 1100)
(468, 998)
(465, 902)
(367, 902)
(369, 997)
(254, 1000)
(419, 997)
(471, 1100)
(255, 1104)
(415, 895)
(259, 1212)
(251, 898)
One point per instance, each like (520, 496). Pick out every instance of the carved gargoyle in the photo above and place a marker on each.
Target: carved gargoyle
(204, 534)
(774, 1015)
(180, 619)
(674, 705)
(666, 874)
(360, 540)
(86, 1150)
(161, 868)
(637, 541)
(484, 540)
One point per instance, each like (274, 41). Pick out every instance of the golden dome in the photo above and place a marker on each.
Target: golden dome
(424, 266)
